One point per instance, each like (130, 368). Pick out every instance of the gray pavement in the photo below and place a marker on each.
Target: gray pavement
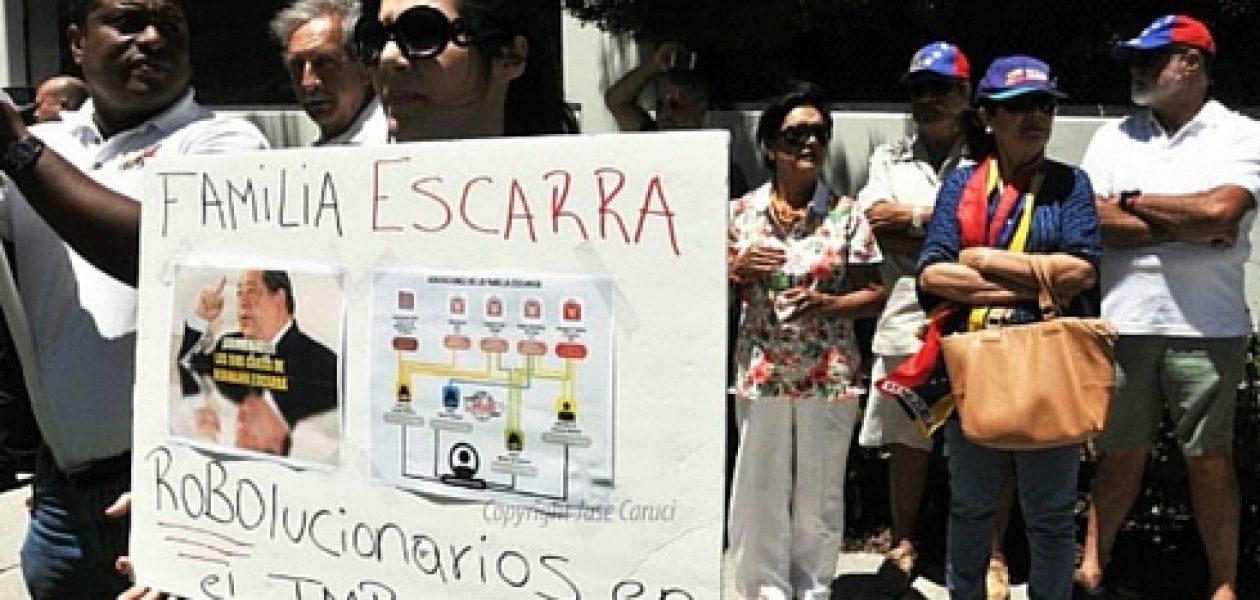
(12, 529)
(855, 573)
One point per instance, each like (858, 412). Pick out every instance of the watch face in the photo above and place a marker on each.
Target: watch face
(21, 153)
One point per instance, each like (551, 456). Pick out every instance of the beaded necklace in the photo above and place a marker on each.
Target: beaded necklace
(788, 216)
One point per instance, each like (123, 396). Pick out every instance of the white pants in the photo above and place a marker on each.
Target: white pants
(787, 506)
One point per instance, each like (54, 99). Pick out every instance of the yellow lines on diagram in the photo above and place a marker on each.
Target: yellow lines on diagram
(516, 379)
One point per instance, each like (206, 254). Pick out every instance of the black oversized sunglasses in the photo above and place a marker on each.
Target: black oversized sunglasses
(420, 32)
(797, 135)
(1030, 102)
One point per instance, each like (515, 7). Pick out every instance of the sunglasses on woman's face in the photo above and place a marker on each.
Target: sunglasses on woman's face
(1030, 102)
(420, 32)
(796, 135)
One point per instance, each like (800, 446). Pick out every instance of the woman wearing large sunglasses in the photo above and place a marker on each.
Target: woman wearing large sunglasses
(990, 219)
(803, 266)
(452, 69)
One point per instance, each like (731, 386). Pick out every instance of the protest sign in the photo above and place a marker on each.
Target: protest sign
(483, 369)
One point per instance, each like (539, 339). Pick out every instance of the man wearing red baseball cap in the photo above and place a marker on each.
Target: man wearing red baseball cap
(1177, 183)
(902, 182)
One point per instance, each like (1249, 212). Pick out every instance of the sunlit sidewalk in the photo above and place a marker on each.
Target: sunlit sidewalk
(12, 528)
(855, 574)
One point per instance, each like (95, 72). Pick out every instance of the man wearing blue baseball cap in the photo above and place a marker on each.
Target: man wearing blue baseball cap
(903, 179)
(1177, 183)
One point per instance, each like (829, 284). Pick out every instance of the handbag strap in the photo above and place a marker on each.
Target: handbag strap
(1050, 303)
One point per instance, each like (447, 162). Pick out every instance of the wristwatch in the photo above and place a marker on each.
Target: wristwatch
(20, 153)
(1128, 199)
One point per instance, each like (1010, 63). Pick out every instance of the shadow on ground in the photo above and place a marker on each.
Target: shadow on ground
(866, 587)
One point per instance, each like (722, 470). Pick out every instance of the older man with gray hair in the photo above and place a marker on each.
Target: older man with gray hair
(332, 87)
(1177, 183)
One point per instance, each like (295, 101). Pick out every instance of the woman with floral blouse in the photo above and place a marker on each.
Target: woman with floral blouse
(803, 266)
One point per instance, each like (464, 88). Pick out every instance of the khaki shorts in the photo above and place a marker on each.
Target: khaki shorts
(884, 421)
(1196, 380)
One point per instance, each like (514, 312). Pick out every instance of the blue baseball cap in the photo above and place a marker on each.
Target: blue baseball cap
(1166, 31)
(940, 58)
(1011, 76)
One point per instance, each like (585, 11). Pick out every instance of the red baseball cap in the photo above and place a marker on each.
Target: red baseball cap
(1166, 31)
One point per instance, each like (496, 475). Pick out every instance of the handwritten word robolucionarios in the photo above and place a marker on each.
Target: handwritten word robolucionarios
(605, 204)
(239, 513)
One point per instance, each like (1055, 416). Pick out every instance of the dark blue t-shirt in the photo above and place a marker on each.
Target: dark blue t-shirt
(1064, 220)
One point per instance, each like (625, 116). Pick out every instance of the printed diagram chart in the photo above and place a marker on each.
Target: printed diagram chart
(493, 387)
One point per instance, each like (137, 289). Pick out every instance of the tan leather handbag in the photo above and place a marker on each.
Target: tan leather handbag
(1033, 386)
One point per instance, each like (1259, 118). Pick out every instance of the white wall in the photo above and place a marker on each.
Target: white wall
(283, 128)
(858, 133)
(29, 41)
(593, 60)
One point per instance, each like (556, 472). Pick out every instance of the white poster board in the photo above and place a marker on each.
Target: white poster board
(527, 402)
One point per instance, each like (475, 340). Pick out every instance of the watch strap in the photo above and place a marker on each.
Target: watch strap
(18, 154)
(1128, 200)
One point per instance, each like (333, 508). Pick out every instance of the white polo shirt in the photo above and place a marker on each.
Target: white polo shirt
(83, 321)
(1177, 289)
(369, 128)
(901, 172)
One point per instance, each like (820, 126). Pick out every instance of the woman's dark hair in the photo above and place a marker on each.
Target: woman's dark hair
(979, 143)
(535, 100)
(800, 93)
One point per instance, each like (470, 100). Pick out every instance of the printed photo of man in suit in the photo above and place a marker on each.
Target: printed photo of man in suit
(278, 378)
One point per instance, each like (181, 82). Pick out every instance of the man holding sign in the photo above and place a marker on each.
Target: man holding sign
(436, 85)
(75, 222)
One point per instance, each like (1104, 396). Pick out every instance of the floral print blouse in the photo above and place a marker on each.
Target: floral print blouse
(779, 356)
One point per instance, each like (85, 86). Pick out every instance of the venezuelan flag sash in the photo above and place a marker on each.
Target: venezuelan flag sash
(920, 384)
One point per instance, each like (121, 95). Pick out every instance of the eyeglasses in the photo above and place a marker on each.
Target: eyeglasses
(929, 86)
(797, 135)
(420, 32)
(1029, 102)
